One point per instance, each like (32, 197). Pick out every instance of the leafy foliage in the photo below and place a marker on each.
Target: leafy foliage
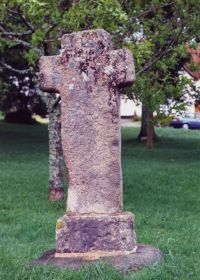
(158, 34)
(155, 31)
(32, 28)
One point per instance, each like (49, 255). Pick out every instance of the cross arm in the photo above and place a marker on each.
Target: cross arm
(121, 66)
(50, 73)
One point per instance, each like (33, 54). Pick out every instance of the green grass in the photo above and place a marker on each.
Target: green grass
(161, 187)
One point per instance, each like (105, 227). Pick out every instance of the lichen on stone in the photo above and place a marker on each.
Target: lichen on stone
(59, 224)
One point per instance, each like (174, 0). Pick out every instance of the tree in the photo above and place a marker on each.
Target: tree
(56, 191)
(25, 29)
(157, 34)
(33, 28)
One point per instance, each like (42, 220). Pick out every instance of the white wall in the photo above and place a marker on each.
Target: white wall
(129, 107)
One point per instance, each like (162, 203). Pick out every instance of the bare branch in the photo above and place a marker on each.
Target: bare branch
(28, 24)
(161, 53)
(50, 29)
(19, 41)
(152, 10)
(55, 24)
(22, 17)
(153, 61)
(52, 40)
(141, 15)
(18, 34)
(17, 71)
(26, 44)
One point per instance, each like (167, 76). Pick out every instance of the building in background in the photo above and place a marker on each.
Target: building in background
(192, 71)
(130, 109)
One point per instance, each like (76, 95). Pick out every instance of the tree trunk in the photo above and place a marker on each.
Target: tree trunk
(56, 190)
(143, 130)
(147, 131)
(150, 130)
(56, 178)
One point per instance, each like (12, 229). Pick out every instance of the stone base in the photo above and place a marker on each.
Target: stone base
(97, 232)
(127, 261)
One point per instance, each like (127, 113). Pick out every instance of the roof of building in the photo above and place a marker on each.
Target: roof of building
(195, 61)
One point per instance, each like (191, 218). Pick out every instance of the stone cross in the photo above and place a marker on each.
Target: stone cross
(88, 74)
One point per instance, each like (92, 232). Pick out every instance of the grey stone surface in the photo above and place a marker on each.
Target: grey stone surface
(100, 232)
(144, 256)
(88, 74)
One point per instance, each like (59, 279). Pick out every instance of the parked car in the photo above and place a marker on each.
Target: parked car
(186, 121)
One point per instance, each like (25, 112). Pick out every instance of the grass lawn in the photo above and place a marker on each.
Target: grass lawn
(161, 187)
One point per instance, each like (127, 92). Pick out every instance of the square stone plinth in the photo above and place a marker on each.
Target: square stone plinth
(85, 233)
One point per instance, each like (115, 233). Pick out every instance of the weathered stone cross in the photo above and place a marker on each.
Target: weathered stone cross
(88, 74)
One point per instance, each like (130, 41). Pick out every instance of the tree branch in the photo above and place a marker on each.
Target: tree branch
(19, 41)
(153, 61)
(17, 71)
(22, 17)
(152, 10)
(26, 44)
(143, 14)
(162, 52)
(55, 24)
(18, 34)
(50, 29)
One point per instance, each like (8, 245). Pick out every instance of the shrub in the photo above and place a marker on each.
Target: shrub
(22, 116)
